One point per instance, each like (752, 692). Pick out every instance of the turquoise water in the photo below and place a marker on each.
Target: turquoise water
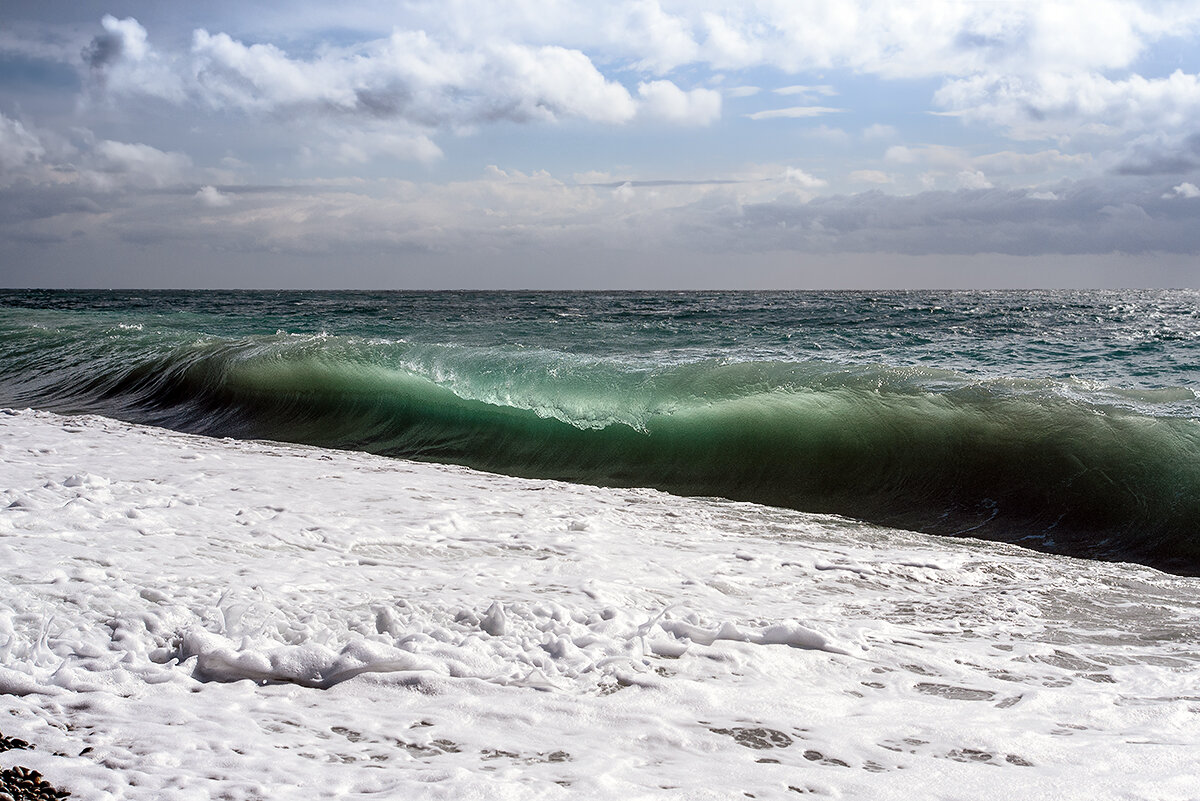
(1065, 421)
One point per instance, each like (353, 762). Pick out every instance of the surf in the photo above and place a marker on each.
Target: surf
(1052, 465)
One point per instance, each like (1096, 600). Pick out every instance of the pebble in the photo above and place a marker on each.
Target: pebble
(24, 784)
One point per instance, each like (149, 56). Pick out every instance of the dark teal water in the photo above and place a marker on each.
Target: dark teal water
(1066, 421)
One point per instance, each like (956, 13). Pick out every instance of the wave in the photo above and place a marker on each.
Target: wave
(1053, 465)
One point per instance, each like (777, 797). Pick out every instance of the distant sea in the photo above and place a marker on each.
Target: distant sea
(1065, 421)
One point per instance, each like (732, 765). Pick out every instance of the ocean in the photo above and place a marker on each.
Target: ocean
(702, 545)
(1062, 420)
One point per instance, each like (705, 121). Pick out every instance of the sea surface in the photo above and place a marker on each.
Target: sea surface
(1065, 421)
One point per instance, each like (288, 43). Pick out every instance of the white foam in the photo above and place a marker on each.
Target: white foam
(249, 620)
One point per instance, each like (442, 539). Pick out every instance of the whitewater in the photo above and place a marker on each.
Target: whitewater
(520, 545)
(185, 617)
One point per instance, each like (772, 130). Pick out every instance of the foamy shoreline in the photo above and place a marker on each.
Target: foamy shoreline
(266, 621)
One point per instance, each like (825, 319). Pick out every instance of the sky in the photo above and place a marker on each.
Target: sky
(572, 144)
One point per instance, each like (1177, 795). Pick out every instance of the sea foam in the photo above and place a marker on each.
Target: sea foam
(183, 617)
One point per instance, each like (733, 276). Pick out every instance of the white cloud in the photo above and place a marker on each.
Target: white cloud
(1034, 69)
(794, 112)
(364, 143)
(806, 91)
(961, 164)
(121, 60)
(212, 198)
(664, 100)
(1184, 190)
(664, 40)
(112, 163)
(794, 175)
(18, 145)
(104, 166)
(1054, 104)
(973, 179)
(407, 76)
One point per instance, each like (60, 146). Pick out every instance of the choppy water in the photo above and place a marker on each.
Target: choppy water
(1065, 421)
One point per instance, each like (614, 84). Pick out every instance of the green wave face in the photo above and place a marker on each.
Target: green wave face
(1060, 465)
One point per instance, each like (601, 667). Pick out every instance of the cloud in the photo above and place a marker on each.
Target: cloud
(1081, 218)
(18, 146)
(806, 91)
(871, 177)
(793, 175)
(1055, 104)
(944, 160)
(81, 169)
(121, 60)
(122, 39)
(768, 209)
(1160, 154)
(973, 179)
(794, 112)
(1184, 190)
(1008, 162)
(663, 100)
(350, 144)
(407, 76)
(1034, 70)
(212, 198)
(123, 163)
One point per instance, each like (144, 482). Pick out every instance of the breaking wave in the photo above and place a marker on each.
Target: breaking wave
(1051, 464)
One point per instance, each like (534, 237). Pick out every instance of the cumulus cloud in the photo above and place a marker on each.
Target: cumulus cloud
(973, 179)
(18, 145)
(794, 175)
(407, 76)
(121, 60)
(1035, 70)
(934, 38)
(71, 175)
(134, 163)
(122, 39)
(1184, 190)
(1053, 104)
(664, 100)
(211, 197)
